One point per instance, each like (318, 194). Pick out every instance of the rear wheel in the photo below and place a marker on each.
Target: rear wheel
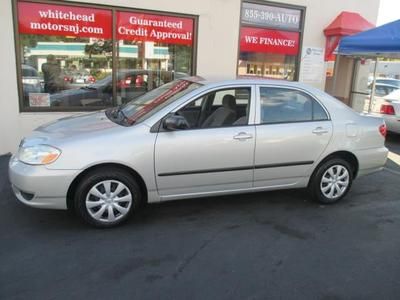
(107, 197)
(331, 181)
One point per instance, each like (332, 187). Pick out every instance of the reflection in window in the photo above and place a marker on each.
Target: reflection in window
(58, 71)
(67, 54)
(278, 66)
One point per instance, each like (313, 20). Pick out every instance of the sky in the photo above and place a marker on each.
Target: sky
(388, 11)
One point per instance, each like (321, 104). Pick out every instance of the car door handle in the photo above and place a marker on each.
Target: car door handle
(320, 130)
(242, 136)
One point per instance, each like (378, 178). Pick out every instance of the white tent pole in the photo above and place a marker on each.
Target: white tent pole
(373, 86)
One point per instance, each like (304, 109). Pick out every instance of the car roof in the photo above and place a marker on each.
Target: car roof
(24, 66)
(246, 80)
(388, 79)
(386, 84)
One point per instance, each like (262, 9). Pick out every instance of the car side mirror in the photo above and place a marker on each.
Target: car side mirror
(174, 122)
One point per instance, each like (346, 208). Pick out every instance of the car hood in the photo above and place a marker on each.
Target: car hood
(84, 126)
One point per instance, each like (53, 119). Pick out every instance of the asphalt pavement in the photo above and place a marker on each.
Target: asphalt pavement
(270, 245)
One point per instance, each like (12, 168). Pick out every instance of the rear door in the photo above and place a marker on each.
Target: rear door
(293, 129)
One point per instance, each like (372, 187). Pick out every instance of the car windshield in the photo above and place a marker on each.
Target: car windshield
(150, 103)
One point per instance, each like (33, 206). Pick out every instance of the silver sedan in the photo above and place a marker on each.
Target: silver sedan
(193, 138)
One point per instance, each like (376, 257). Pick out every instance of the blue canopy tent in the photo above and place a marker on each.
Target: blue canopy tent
(382, 41)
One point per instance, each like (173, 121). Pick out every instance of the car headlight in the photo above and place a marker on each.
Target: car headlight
(38, 155)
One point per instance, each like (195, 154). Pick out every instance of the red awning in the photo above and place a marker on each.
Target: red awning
(346, 23)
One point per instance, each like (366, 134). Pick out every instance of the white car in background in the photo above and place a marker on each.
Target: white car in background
(388, 107)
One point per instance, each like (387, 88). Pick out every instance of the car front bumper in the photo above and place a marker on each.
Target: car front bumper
(38, 186)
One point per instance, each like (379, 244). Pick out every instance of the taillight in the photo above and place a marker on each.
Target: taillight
(387, 109)
(383, 130)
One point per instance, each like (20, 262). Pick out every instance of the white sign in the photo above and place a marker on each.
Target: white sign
(312, 66)
(39, 99)
(270, 16)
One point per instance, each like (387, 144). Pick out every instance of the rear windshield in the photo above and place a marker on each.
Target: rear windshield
(389, 81)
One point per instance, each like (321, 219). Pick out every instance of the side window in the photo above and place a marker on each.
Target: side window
(319, 114)
(279, 105)
(222, 108)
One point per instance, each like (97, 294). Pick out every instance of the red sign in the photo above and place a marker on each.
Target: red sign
(154, 28)
(269, 41)
(47, 19)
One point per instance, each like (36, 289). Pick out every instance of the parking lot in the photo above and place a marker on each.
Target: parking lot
(256, 246)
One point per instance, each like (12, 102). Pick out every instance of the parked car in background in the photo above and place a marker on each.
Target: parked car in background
(31, 80)
(78, 77)
(388, 107)
(130, 84)
(194, 138)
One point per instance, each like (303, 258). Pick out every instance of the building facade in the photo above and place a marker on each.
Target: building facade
(61, 58)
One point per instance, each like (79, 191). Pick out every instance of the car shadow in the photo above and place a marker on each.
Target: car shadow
(393, 142)
(170, 212)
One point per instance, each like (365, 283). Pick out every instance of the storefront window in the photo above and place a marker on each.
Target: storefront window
(269, 41)
(66, 52)
(152, 50)
(67, 57)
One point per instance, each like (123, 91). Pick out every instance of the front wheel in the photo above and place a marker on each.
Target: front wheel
(107, 197)
(331, 181)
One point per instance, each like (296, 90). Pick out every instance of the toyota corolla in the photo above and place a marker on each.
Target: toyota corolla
(193, 138)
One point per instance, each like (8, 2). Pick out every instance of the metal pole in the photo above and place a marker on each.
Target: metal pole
(373, 86)
(335, 74)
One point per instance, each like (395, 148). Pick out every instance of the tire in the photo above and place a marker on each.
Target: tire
(331, 181)
(107, 197)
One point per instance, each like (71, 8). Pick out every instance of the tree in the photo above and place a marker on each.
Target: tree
(99, 47)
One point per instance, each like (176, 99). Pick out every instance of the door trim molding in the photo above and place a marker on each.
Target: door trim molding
(243, 168)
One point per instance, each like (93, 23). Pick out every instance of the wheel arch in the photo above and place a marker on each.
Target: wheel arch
(343, 154)
(72, 187)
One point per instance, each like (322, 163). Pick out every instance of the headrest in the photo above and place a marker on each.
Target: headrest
(229, 101)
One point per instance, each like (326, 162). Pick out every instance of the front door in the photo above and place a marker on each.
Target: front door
(294, 129)
(215, 154)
